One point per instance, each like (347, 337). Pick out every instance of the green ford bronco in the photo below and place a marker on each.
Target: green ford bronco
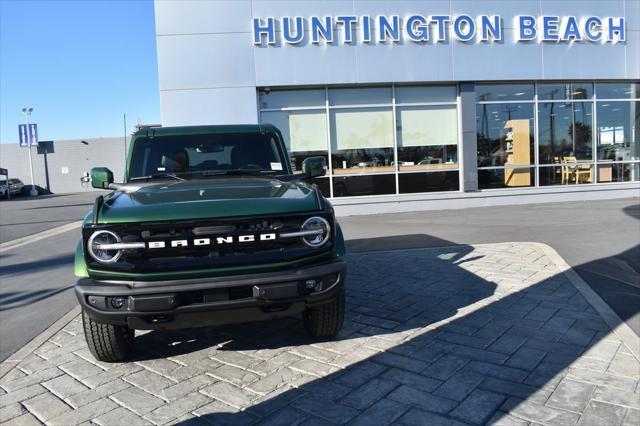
(210, 226)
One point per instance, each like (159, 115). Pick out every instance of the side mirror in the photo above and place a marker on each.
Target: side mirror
(314, 167)
(101, 177)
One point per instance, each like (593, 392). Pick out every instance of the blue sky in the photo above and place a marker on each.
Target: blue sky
(80, 64)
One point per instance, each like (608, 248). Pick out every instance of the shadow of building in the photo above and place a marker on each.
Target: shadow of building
(429, 336)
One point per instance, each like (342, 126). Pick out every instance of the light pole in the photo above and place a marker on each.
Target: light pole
(27, 112)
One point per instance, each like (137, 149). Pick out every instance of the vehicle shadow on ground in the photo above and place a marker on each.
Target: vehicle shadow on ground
(395, 242)
(36, 265)
(425, 340)
(250, 336)
(17, 299)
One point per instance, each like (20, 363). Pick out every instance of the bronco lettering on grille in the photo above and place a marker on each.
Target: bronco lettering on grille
(198, 242)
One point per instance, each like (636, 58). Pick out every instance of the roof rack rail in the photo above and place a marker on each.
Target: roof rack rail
(147, 126)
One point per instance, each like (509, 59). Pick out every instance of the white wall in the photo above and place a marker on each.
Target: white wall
(70, 154)
(209, 67)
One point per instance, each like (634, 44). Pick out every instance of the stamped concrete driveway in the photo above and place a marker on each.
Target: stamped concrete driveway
(462, 335)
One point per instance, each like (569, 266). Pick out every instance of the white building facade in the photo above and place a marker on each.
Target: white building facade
(420, 104)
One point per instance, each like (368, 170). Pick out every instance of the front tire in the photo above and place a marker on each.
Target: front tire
(107, 342)
(325, 320)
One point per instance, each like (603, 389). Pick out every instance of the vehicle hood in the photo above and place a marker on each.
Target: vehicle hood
(207, 198)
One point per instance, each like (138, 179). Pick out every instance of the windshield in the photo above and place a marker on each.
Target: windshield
(193, 156)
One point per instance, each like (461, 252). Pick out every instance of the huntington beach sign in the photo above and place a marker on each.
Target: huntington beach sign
(367, 29)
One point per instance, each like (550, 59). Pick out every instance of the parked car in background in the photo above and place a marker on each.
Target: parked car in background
(14, 187)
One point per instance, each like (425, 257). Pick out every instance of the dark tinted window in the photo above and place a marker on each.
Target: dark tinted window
(565, 91)
(618, 131)
(564, 130)
(189, 155)
(505, 134)
(428, 182)
(346, 186)
(506, 178)
(504, 92)
(618, 90)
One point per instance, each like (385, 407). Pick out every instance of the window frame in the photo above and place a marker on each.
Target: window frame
(536, 165)
(393, 105)
(595, 162)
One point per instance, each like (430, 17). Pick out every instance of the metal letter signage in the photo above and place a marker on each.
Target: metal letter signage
(394, 29)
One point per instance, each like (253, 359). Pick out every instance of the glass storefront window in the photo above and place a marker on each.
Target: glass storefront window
(505, 134)
(364, 96)
(618, 172)
(304, 133)
(427, 137)
(504, 92)
(565, 130)
(428, 182)
(563, 91)
(362, 140)
(506, 178)
(324, 183)
(618, 131)
(369, 154)
(361, 136)
(569, 171)
(617, 90)
(346, 186)
(292, 99)
(425, 94)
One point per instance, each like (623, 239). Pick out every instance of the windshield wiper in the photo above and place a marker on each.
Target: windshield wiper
(158, 176)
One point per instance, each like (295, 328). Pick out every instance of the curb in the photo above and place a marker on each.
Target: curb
(619, 327)
(15, 359)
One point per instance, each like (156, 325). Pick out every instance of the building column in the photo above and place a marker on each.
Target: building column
(469, 142)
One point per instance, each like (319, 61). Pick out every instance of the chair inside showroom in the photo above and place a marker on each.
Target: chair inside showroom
(576, 170)
(562, 171)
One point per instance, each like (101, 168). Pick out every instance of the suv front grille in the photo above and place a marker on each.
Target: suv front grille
(190, 245)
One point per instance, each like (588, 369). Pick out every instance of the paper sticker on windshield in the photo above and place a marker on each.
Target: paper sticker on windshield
(276, 166)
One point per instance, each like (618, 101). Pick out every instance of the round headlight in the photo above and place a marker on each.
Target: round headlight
(100, 238)
(321, 231)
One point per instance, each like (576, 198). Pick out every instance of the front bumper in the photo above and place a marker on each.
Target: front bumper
(151, 305)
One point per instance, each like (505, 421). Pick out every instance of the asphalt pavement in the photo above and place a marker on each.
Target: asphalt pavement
(22, 216)
(600, 239)
(36, 279)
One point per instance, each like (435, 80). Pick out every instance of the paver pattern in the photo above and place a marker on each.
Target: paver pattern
(460, 335)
